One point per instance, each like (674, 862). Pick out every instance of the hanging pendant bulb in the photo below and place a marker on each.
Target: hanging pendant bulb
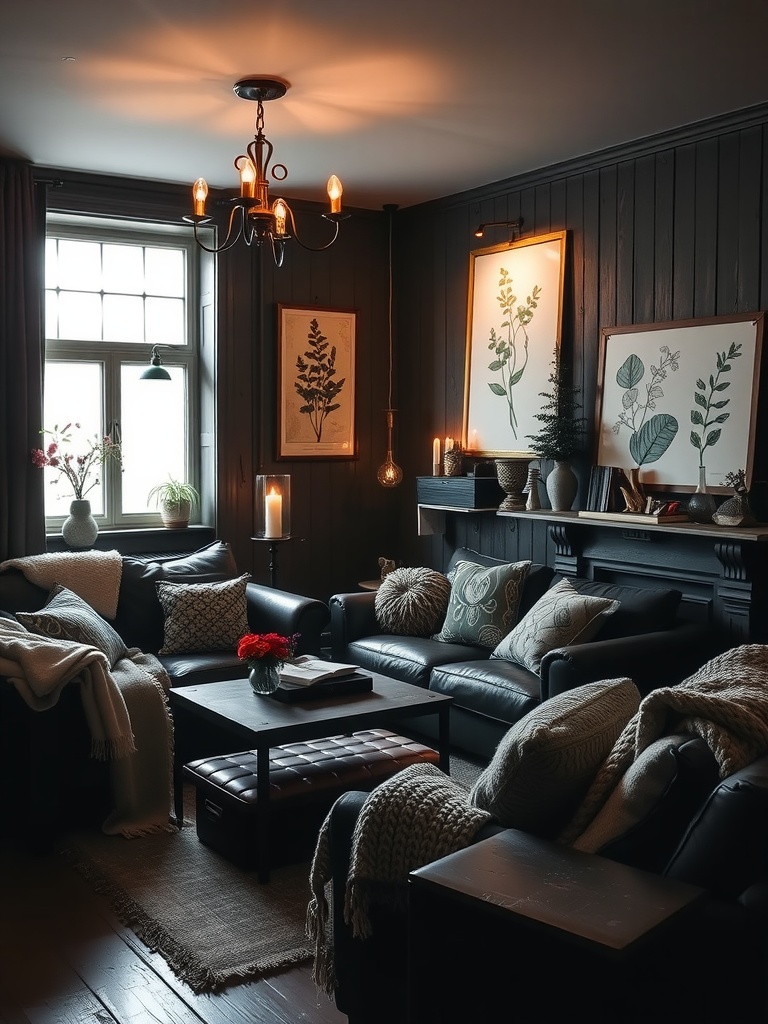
(389, 474)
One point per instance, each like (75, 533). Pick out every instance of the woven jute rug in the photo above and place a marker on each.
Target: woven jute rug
(212, 922)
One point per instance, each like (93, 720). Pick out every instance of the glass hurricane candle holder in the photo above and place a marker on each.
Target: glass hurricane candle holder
(273, 506)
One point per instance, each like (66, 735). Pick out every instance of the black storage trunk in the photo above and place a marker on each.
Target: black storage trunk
(459, 491)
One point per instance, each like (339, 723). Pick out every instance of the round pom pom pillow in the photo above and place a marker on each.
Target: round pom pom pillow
(412, 602)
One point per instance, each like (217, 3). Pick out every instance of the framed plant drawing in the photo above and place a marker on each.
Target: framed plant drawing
(316, 383)
(674, 397)
(514, 319)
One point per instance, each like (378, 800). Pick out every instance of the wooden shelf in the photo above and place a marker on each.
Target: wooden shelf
(431, 518)
(757, 533)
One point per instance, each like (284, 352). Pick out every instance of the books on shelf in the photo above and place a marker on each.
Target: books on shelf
(307, 670)
(635, 517)
(603, 483)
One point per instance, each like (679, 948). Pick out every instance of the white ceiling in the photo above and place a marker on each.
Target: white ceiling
(406, 100)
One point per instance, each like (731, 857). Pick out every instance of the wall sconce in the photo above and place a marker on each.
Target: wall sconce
(273, 506)
(514, 224)
(155, 370)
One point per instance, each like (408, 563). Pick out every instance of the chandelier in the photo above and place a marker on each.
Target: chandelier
(251, 216)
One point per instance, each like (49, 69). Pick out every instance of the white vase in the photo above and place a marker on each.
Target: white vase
(562, 485)
(80, 529)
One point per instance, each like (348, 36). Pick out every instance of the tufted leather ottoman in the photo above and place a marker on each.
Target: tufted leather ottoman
(305, 779)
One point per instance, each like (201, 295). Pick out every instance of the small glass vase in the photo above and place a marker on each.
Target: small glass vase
(264, 677)
(701, 505)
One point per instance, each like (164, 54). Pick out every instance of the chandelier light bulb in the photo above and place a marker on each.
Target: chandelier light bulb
(335, 192)
(199, 195)
(280, 212)
(247, 177)
(389, 474)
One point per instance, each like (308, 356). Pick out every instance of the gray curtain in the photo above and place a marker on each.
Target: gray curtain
(22, 256)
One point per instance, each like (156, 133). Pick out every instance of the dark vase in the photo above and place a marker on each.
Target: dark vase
(701, 505)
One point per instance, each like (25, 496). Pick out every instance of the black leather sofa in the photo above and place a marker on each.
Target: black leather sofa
(47, 774)
(645, 639)
(708, 966)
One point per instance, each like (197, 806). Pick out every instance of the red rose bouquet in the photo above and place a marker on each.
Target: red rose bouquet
(266, 648)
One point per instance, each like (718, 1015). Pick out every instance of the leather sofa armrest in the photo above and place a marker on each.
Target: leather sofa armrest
(353, 616)
(650, 660)
(277, 611)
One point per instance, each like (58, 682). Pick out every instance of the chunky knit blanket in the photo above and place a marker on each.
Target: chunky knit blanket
(126, 709)
(725, 703)
(415, 817)
(93, 575)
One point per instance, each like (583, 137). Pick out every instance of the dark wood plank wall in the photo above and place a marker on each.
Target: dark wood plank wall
(659, 229)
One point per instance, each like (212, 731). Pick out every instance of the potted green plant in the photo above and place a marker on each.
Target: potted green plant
(175, 501)
(560, 436)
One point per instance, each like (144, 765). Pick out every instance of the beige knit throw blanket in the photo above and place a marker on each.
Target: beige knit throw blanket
(126, 710)
(415, 817)
(725, 703)
(93, 575)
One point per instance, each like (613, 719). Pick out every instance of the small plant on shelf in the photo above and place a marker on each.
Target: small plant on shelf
(175, 501)
(562, 431)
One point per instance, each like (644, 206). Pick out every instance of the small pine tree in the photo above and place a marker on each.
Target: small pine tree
(562, 432)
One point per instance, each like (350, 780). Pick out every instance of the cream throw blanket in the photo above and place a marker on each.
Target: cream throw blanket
(415, 817)
(126, 710)
(725, 703)
(93, 575)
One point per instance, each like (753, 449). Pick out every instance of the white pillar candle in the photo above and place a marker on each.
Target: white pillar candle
(436, 457)
(273, 514)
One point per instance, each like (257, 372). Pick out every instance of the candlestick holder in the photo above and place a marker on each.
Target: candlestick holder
(272, 512)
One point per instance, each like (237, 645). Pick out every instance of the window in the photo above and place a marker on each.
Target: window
(112, 291)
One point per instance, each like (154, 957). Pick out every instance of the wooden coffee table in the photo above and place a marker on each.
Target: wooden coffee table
(245, 721)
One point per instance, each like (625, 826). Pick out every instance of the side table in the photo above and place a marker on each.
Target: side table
(547, 923)
(273, 542)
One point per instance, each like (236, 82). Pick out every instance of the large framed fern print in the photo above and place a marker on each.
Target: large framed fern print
(316, 383)
(514, 319)
(677, 397)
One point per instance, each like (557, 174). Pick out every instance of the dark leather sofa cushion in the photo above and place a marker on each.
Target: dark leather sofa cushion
(17, 594)
(496, 689)
(139, 618)
(642, 609)
(409, 658)
(213, 667)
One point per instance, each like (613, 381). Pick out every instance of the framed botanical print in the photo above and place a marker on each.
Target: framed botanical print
(316, 383)
(514, 322)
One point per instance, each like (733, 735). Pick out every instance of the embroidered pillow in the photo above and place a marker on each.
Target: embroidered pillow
(203, 616)
(545, 763)
(68, 617)
(412, 602)
(560, 617)
(484, 603)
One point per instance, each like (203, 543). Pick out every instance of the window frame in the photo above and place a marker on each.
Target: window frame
(114, 356)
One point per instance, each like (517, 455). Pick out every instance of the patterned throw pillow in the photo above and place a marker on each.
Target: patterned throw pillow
(562, 616)
(484, 603)
(203, 616)
(68, 617)
(412, 602)
(546, 761)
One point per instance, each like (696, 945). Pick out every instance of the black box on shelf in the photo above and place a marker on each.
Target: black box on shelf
(459, 491)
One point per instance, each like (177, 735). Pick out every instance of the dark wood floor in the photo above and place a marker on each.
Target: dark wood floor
(66, 959)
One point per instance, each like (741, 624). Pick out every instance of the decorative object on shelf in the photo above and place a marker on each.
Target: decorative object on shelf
(560, 435)
(389, 473)
(273, 506)
(155, 370)
(701, 504)
(436, 457)
(512, 475)
(632, 490)
(252, 217)
(265, 654)
(735, 511)
(453, 458)
(533, 502)
(80, 529)
(480, 492)
(387, 565)
(175, 501)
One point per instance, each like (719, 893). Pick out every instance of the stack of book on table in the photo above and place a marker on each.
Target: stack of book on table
(307, 677)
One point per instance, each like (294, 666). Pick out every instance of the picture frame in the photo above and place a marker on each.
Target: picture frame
(514, 325)
(316, 382)
(676, 394)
